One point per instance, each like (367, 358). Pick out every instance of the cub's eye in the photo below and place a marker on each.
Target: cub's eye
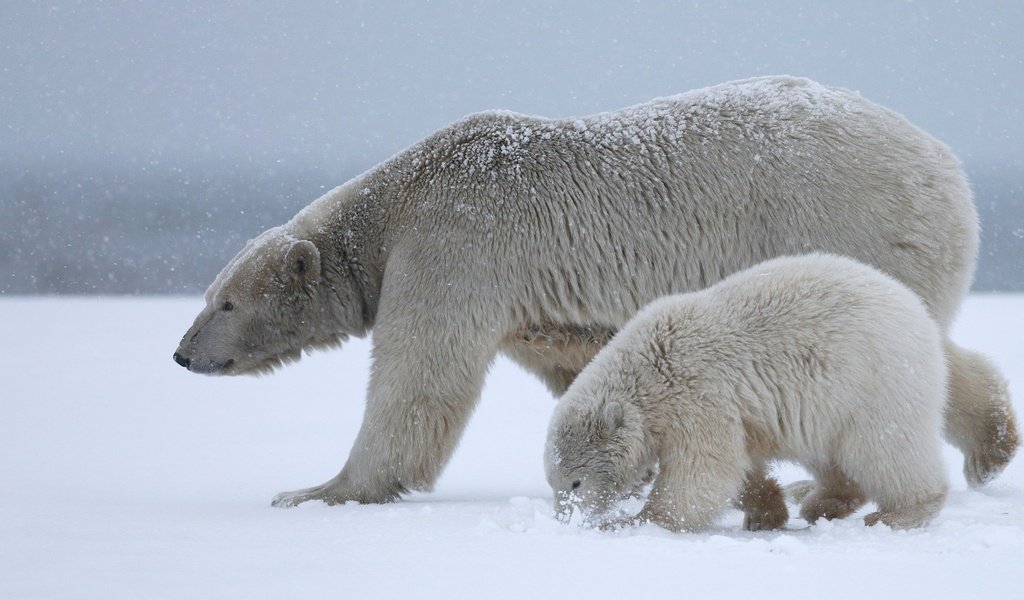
(576, 484)
(227, 306)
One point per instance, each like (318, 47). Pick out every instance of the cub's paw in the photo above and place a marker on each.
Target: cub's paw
(908, 517)
(798, 491)
(764, 505)
(766, 519)
(896, 520)
(617, 523)
(822, 505)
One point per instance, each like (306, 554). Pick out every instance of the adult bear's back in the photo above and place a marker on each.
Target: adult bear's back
(675, 194)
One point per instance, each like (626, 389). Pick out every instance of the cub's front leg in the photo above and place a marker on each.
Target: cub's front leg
(762, 501)
(702, 468)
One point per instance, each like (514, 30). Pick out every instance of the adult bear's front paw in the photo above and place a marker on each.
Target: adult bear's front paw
(338, 491)
(327, 493)
(297, 497)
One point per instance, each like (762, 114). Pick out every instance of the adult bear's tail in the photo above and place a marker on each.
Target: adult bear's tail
(979, 417)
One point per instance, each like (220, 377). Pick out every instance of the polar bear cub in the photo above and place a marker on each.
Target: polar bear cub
(816, 359)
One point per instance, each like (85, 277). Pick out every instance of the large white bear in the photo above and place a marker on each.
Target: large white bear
(816, 359)
(540, 238)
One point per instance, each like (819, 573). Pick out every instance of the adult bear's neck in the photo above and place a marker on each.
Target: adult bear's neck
(352, 227)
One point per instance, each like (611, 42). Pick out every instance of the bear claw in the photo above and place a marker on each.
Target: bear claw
(293, 499)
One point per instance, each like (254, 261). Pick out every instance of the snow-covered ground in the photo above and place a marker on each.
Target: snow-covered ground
(124, 476)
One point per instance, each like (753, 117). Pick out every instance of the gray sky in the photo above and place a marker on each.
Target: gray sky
(348, 83)
(142, 142)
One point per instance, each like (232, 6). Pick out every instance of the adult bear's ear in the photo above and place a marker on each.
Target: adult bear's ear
(302, 262)
(612, 417)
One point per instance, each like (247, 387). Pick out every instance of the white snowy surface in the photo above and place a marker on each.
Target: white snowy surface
(124, 476)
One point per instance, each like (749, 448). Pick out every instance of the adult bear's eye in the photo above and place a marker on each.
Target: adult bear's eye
(227, 306)
(576, 484)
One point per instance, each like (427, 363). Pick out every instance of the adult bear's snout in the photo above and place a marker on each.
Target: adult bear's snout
(181, 360)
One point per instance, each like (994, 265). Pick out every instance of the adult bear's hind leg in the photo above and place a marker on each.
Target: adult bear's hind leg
(979, 417)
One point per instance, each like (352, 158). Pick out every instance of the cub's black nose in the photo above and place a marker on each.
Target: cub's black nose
(181, 360)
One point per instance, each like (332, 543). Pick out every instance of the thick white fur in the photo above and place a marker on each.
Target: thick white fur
(540, 238)
(816, 359)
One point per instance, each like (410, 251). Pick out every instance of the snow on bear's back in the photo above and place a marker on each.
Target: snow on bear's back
(500, 143)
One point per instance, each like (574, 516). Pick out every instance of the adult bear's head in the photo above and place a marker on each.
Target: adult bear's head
(277, 297)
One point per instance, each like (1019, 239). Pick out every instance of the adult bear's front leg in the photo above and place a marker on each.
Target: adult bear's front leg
(426, 379)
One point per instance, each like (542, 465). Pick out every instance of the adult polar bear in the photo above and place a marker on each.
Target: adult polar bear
(539, 238)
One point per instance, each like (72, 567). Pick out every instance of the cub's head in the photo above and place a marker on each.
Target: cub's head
(268, 304)
(595, 455)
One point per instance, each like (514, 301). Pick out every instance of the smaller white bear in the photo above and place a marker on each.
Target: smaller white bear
(816, 359)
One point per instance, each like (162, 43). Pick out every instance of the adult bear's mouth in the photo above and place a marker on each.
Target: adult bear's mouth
(202, 367)
(263, 363)
(210, 367)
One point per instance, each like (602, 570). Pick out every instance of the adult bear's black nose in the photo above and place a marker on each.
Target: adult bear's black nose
(181, 360)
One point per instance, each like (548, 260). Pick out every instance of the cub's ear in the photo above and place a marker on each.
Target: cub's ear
(302, 262)
(612, 417)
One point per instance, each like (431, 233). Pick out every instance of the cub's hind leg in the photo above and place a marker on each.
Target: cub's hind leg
(904, 475)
